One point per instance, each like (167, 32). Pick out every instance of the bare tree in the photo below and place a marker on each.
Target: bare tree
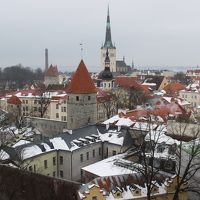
(109, 104)
(175, 150)
(187, 155)
(129, 97)
(151, 133)
(41, 104)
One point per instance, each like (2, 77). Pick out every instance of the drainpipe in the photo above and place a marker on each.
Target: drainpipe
(102, 151)
(58, 175)
(71, 164)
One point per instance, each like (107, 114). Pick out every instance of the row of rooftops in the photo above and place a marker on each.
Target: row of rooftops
(128, 186)
(70, 140)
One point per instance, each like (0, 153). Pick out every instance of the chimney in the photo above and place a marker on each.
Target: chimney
(46, 60)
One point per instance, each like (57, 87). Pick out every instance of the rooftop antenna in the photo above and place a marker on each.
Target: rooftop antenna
(81, 46)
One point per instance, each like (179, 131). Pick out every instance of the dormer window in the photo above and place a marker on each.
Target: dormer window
(77, 98)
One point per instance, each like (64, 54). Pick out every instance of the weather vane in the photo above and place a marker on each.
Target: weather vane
(81, 45)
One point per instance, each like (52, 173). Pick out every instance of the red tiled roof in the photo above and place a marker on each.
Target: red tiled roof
(174, 87)
(81, 82)
(125, 81)
(14, 100)
(162, 111)
(130, 82)
(56, 98)
(52, 71)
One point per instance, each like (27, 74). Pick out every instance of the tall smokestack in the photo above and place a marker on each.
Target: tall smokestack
(46, 60)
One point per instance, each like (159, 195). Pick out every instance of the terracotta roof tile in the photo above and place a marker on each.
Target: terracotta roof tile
(52, 71)
(125, 81)
(81, 82)
(174, 87)
(14, 100)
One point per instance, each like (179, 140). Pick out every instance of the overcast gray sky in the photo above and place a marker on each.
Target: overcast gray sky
(152, 32)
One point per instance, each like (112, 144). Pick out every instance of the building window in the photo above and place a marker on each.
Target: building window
(99, 151)
(54, 160)
(64, 118)
(61, 174)
(26, 108)
(54, 174)
(93, 153)
(81, 157)
(57, 115)
(35, 101)
(89, 97)
(57, 106)
(61, 160)
(63, 109)
(45, 164)
(77, 98)
(35, 108)
(26, 101)
(87, 155)
(114, 152)
(34, 168)
(30, 168)
(118, 194)
(23, 101)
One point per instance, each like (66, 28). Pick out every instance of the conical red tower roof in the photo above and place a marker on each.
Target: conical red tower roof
(81, 82)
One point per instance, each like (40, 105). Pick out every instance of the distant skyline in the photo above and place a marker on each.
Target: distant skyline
(152, 33)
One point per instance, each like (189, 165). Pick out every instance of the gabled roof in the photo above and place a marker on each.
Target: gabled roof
(14, 100)
(154, 79)
(81, 82)
(52, 71)
(120, 63)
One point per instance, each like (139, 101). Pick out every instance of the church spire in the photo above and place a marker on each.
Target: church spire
(108, 40)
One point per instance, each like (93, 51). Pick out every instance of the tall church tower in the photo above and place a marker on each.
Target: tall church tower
(108, 45)
(82, 102)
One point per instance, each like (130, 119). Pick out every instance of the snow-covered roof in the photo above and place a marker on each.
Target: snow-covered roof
(4, 155)
(21, 142)
(107, 167)
(180, 101)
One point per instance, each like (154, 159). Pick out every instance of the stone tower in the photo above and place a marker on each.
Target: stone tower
(108, 45)
(82, 102)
